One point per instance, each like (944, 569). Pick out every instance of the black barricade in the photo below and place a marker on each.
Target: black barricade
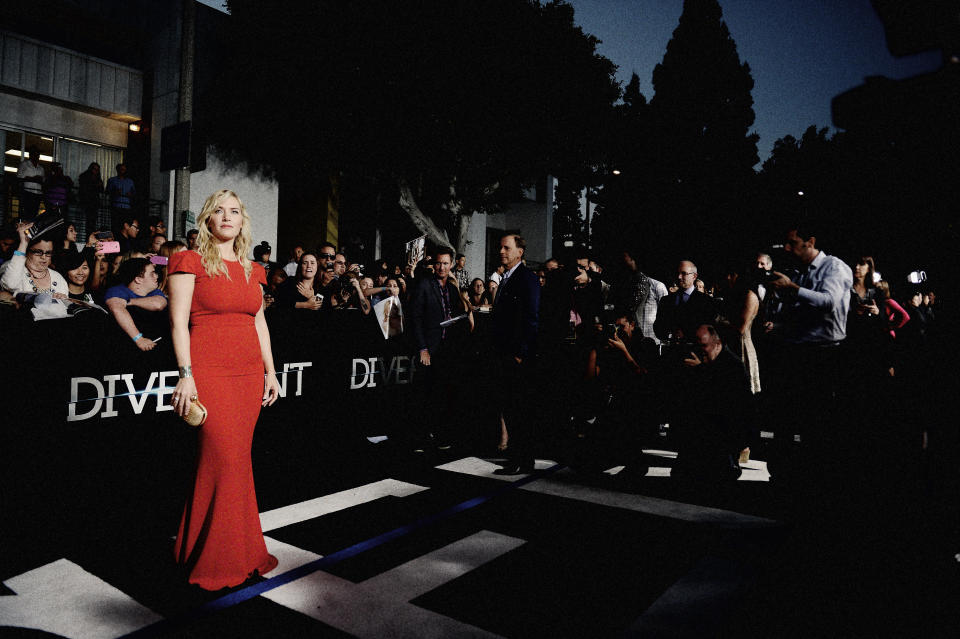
(88, 425)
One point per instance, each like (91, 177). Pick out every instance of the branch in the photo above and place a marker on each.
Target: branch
(423, 223)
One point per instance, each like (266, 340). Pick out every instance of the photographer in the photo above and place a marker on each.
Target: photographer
(569, 337)
(627, 404)
(714, 418)
(351, 295)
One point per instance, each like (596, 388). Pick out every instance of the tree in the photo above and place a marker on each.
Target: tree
(702, 98)
(620, 194)
(449, 104)
(702, 111)
(687, 157)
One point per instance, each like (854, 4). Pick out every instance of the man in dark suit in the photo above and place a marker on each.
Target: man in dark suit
(514, 336)
(715, 416)
(680, 314)
(435, 299)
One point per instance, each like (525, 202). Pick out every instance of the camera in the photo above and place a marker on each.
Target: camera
(763, 275)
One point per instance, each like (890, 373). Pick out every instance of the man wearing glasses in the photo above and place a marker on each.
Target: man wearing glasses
(339, 264)
(129, 229)
(680, 314)
(329, 286)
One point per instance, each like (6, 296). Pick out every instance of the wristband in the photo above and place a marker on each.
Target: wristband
(185, 371)
(20, 253)
(137, 336)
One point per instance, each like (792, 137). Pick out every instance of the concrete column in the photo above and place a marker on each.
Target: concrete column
(181, 195)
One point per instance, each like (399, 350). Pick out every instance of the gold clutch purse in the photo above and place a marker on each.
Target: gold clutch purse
(197, 414)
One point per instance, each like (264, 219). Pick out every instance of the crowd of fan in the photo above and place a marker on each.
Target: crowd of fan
(618, 347)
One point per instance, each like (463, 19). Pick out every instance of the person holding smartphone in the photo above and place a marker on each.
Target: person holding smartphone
(222, 345)
(303, 290)
(139, 291)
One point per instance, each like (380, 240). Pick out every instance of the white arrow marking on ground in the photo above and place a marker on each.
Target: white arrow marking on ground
(560, 484)
(380, 606)
(295, 513)
(64, 599)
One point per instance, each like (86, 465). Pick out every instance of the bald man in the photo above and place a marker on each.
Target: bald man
(679, 314)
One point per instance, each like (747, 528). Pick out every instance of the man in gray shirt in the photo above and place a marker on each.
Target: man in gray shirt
(815, 304)
(820, 292)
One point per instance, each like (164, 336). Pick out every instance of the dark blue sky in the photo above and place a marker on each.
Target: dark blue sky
(801, 52)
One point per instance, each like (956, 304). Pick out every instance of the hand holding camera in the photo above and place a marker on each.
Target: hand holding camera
(693, 360)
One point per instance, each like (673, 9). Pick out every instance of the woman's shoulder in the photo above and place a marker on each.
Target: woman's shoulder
(259, 274)
(185, 262)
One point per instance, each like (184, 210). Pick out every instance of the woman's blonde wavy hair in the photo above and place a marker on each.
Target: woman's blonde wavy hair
(213, 264)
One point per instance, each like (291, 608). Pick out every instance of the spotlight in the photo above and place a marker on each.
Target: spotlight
(135, 127)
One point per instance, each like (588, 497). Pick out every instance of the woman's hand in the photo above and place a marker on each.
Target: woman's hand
(145, 344)
(271, 389)
(22, 229)
(871, 308)
(183, 394)
(305, 289)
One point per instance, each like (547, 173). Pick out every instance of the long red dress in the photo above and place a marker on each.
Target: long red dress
(220, 541)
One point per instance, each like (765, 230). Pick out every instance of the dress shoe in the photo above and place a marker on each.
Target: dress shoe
(514, 469)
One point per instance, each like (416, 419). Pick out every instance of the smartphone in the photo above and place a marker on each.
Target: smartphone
(109, 247)
(103, 235)
(159, 260)
(319, 297)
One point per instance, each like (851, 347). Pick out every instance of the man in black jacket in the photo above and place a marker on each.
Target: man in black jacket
(715, 417)
(434, 301)
(679, 314)
(514, 336)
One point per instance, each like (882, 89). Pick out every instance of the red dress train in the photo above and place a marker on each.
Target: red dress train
(220, 541)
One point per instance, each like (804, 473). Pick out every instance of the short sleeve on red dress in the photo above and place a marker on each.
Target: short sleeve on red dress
(185, 262)
(259, 274)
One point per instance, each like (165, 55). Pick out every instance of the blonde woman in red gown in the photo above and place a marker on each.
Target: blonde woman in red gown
(222, 345)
